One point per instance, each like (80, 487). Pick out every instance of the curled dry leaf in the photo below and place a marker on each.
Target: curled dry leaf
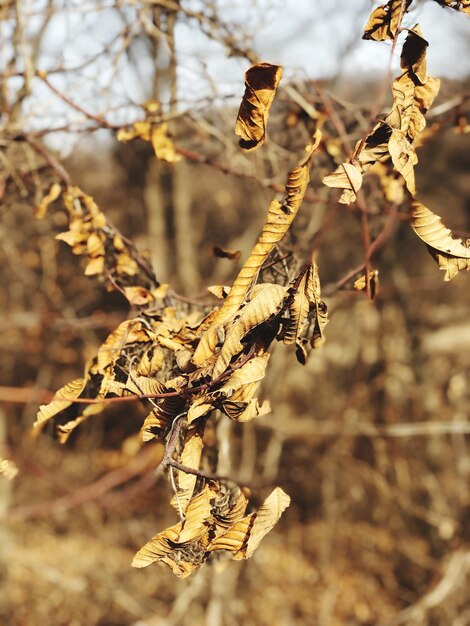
(223, 253)
(244, 536)
(41, 209)
(385, 20)
(361, 283)
(452, 255)
(261, 83)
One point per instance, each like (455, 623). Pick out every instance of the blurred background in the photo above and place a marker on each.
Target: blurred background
(370, 438)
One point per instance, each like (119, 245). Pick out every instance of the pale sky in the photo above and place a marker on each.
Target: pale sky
(313, 39)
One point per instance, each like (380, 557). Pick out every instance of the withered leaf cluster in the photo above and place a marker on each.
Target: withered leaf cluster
(154, 133)
(185, 366)
(392, 140)
(108, 253)
(214, 520)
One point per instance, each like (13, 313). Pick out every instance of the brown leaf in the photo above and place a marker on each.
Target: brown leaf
(256, 312)
(223, 253)
(261, 83)
(403, 157)
(384, 20)
(413, 55)
(347, 177)
(451, 254)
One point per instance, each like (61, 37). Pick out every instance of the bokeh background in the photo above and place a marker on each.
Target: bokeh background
(370, 438)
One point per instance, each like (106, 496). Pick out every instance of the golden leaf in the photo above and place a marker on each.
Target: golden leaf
(245, 411)
(219, 291)
(361, 283)
(182, 546)
(256, 312)
(151, 362)
(138, 296)
(261, 83)
(95, 266)
(198, 409)
(157, 135)
(90, 235)
(163, 146)
(253, 371)
(451, 254)
(384, 21)
(191, 457)
(41, 209)
(243, 537)
(424, 96)
(347, 177)
(62, 399)
(403, 157)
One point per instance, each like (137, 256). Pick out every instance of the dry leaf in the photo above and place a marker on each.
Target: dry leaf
(244, 536)
(361, 283)
(384, 20)
(452, 255)
(347, 177)
(41, 209)
(256, 312)
(261, 83)
(403, 158)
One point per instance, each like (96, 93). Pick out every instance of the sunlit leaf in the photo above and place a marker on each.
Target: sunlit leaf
(41, 209)
(256, 312)
(261, 83)
(347, 177)
(404, 158)
(244, 536)
(384, 20)
(452, 255)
